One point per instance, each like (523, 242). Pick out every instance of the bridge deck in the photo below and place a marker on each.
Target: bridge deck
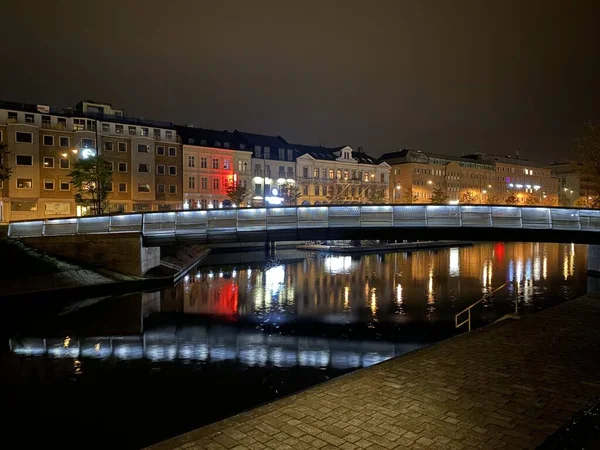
(505, 386)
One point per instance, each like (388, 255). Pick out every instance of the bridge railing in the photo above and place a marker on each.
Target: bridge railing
(218, 224)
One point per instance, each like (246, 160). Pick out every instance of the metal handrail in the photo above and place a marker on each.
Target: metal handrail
(468, 308)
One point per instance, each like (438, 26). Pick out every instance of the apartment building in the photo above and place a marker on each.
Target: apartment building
(44, 142)
(339, 175)
(530, 182)
(273, 163)
(213, 161)
(482, 177)
(415, 175)
(575, 185)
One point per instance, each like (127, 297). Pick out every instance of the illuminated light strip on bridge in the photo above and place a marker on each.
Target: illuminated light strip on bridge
(251, 349)
(245, 222)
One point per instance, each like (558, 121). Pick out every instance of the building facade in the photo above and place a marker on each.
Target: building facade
(527, 181)
(340, 175)
(415, 176)
(45, 142)
(575, 186)
(477, 178)
(212, 162)
(273, 164)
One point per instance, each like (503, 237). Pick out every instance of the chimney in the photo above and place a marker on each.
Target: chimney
(517, 154)
(359, 149)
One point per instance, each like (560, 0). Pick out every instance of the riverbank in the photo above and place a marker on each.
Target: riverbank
(511, 384)
(32, 274)
(394, 247)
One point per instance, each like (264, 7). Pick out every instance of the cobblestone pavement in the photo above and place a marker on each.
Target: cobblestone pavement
(505, 386)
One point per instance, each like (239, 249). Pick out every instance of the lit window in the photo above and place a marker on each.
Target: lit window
(24, 183)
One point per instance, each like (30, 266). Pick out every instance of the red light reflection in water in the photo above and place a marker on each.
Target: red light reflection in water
(217, 297)
(499, 251)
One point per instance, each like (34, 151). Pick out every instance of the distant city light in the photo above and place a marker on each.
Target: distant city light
(453, 202)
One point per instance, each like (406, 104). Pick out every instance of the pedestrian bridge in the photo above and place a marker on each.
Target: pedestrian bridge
(309, 223)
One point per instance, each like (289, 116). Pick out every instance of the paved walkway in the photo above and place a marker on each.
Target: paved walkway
(506, 386)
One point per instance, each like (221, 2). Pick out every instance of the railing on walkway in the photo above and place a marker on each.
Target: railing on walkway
(469, 308)
(224, 222)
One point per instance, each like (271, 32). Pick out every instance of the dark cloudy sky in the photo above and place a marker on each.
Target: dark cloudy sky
(446, 76)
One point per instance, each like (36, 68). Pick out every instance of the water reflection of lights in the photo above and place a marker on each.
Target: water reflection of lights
(336, 265)
(568, 261)
(454, 262)
(249, 348)
(430, 296)
(374, 300)
(346, 297)
(399, 294)
(274, 278)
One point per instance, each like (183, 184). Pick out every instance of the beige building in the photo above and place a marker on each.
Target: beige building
(416, 175)
(340, 175)
(530, 182)
(212, 162)
(575, 186)
(477, 178)
(45, 142)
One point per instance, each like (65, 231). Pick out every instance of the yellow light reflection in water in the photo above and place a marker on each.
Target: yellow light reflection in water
(373, 300)
(97, 347)
(399, 294)
(430, 296)
(67, 342)
(346, 297)
(545, 266)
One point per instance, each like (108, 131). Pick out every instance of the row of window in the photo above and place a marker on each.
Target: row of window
(64, 185)
(215, 163)
(258, 153)
(339, 174)
(216, 183)
(282, 173)
(226, 144)
(27, 183)
(90, 125)
(65, 163)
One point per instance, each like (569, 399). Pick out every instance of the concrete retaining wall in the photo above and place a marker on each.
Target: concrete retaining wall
(122, 253)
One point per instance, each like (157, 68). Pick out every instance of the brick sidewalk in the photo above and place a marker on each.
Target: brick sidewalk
(505, 386)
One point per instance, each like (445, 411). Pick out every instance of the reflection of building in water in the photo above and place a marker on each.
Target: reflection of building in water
(210, 294)
(424, 284)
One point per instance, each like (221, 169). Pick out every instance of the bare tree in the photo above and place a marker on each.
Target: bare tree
(468, 198)
(439, 196)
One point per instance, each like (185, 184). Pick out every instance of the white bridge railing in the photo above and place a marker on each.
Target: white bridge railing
(207, 223)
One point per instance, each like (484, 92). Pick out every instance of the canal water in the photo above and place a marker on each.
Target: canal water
(247, 328)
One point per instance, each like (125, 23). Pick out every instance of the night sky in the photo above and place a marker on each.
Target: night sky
(442, 76)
